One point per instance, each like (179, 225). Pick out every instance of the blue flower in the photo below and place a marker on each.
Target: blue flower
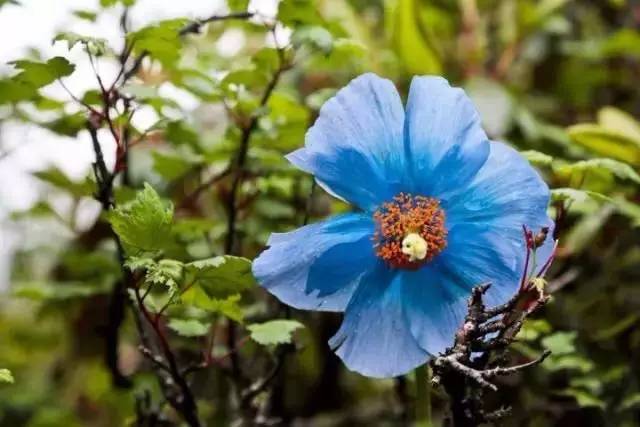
(441, 209)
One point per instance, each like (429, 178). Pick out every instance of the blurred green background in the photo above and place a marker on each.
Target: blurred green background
(557, 79)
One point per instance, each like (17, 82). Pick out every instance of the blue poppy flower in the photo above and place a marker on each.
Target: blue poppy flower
(441, 209)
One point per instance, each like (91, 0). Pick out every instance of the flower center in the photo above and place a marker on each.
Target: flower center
(410, 231)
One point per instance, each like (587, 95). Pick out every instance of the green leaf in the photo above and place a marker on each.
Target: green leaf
(537, 158)
(617, 120)
(610, 166)
(410, 39)
(575, 195)
(572, 362)
(171, 166)
(534, 328)
(143, 224)
(57, 178)
(40, 74)
(93, 45)
(5, 376)
(228, 307)
(221, 276)
(166, 272)
(629, 209)
(161, 41)
(110, 3)
(316, 37)
(584, 398)
(32, 76)
(560, 343)
(189, 327)
(6, 2)
(293, 13)
(617, 328)
(238, 5)
(67, 124)
(585, 230)
(631, 401)
(274, 331)
(58, 291)
(179, 132)
(86, 15)
(606, 142)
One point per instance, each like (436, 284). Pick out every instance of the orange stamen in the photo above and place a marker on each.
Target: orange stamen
(407, 214)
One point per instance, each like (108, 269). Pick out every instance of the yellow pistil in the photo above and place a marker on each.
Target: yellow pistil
(415, 247)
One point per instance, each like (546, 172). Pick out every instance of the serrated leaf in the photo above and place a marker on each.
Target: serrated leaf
(43, 73)
(5, 376)
(221, 276)
(274, 331)
(143, 224)
(189, 327)
(166, 272)
(135, 263)
(32, 76)
(94, 45)
(228, 307)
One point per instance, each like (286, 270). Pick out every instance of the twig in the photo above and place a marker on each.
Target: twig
(463, 372)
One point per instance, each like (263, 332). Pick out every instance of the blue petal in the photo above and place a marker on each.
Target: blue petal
(436, 307)
(445, 145)
(355, 147)
(317, 266)
(486, 219)
(374, 338)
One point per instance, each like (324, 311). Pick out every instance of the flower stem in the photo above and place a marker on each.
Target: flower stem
(423, 396)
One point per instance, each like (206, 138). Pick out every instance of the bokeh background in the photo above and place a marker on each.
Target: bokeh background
(557, 79)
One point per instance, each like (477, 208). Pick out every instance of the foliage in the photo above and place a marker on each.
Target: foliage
(149, 310)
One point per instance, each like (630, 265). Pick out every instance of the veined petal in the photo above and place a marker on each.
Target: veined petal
(354, 149)
(317, 267)
(436, 307)
(506, 195)
(374, 338)
(445, 145)
(437, 294)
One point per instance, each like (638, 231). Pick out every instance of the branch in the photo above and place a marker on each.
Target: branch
(195, 27)
(480, 346)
